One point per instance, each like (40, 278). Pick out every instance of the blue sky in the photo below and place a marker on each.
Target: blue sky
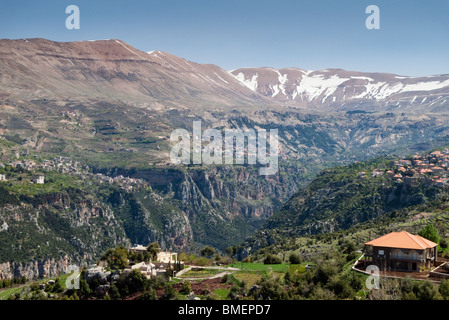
(313, 34)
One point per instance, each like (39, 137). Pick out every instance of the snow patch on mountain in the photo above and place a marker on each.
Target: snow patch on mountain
(362, 78)
(316, 85)
(250, 83)
(221, 78)
(426, 86)
(283, 80)
(330, 86)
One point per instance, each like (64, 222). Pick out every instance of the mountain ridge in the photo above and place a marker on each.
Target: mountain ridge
(113, 70)
(331, 89)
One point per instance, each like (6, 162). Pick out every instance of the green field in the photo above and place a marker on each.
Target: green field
(222, 293)
(249, 277)
(249, 266)
(201, 273)
(7, 292)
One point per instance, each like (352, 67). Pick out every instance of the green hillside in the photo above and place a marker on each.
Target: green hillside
(353, 198)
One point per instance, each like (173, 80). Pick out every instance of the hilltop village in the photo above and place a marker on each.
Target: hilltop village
(68, 166)
(429, 169)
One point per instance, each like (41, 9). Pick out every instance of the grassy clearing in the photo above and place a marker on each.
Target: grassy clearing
(200, 273)
(54, 182)
(222, 293)
(6, 293)
(250, 277)
(251, 273)
(260, 266)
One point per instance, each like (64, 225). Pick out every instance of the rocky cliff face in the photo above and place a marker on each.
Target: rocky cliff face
(222, 204)
(113, 107)
(34, 269)
(219, 206)
(41, 234)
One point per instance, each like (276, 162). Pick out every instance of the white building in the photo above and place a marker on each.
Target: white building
(167, 257)
(163, 256)
(149, 269)
(39, 180)
(139, 249)
(2, 177)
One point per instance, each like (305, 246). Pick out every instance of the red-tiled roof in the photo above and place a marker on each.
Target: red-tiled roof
(402, 240)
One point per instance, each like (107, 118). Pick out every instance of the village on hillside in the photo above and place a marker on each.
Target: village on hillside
(68, 166)
(430, 169)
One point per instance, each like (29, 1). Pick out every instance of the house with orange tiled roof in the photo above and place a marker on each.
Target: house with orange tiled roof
(437, 169)
(401, 251)
(436, 153)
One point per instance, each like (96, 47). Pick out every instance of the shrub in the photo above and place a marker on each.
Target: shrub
(444, 289)
(169, 292)
(271, 289)
(324, 272)
(426, 291)
(430, 232)
(113, 292)
(207, 251)
(225, 278)
(186, 287)
(294, 258)
(150, 294)
(409, 296)
(351, 256)
(318, 293)
(201, 261)
(272, 259)
(84, 287)
(406, 285)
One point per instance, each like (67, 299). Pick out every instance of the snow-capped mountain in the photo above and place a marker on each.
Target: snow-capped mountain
(341, 89)
(112, 70)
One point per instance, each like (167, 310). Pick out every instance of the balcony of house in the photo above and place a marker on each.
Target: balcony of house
(407, 258)
(410, 255)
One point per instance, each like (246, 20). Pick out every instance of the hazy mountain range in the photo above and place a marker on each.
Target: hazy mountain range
(114, 70)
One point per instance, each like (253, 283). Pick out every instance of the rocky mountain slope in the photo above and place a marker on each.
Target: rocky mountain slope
(72, 219)
(336, 89)
(113, 107)
(111, 70)
(345, 197)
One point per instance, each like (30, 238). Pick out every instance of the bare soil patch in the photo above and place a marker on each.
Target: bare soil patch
(204, 286)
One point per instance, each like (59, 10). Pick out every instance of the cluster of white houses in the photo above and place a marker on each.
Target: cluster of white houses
(38, 179)
(158, 268)
(66, 165)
